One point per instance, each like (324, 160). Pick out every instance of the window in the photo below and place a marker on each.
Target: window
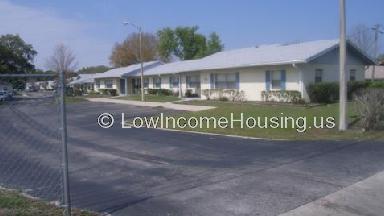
(318, 75)
(276, 79)
(97, 83)
(352, 75)
(108, 83)
(157, 82)
(146, 82)
(174, 82)
(225, 81)
(193, 81)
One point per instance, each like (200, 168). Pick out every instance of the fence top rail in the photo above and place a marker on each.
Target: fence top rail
(27, 75)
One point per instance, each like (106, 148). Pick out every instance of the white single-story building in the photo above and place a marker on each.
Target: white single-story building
(124, 80)
(261, 69)
(252, 71)
(84, 82)
(40, 85)
(379, 71)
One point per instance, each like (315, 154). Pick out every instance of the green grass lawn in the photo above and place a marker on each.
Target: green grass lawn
(71, 100)
(262, 110)
(150, 98)
(77, 99)
(12, 203)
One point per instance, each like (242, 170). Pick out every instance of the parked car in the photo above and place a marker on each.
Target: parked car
(5, 96)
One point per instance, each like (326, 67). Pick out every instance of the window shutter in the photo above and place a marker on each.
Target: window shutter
(267, 80)
(237, 80)
(170, 82)
(212, 80)
(282, 79)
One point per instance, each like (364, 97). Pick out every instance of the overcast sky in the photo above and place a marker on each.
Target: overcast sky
(91, 27)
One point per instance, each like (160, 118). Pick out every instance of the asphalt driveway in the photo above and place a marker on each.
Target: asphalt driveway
(155, 172)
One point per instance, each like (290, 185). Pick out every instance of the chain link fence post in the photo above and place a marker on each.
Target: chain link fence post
(63, 131)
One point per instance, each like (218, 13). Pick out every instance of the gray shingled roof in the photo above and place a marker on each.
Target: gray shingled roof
(83, 78)
(275, 54)
(126, 71)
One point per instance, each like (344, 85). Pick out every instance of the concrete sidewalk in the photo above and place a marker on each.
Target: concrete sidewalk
(363, 198)
(167, 105)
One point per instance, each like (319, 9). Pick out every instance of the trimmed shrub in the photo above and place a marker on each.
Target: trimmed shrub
(234, 95)
(111, 92)
(286, 96)
(189, 94)
(356, 86)
(324, 92)
(166, 92)
(376, 84)
(328, 92)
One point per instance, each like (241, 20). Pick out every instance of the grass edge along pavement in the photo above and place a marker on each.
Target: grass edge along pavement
(13, 203)
(150, 98)
(269, 110)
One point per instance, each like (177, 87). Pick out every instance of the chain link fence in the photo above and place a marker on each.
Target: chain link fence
(30, 143)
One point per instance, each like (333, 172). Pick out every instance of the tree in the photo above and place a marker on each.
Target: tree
(214, 44)
(127, 52)
(186, 43)
(62, 60)
(190, 44)
(363, 37)
(16, 56)
(167, 43)
(381, 59)
(93, 69)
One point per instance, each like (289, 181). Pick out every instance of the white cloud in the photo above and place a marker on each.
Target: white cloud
(44, 29)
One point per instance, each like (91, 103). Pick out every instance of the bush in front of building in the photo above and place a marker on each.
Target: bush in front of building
(285, 96)
(189, 94)
(111, 92)
(370, 104)
(73, 92)
(323, 92)
(233, 95)
(328, 92)
(165, 92)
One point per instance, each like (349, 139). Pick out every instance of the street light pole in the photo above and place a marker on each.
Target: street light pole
(377, 31)
(343, 84)
(140, 56)
(141, 65)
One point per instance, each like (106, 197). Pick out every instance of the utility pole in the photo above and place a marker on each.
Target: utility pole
(377, 31)
(342, 62)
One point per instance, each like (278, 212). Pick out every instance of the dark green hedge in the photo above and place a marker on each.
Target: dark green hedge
(111, 92)
(165, 92)
(328, 92)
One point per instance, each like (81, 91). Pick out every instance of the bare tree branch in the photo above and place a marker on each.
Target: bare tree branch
(62, 59)
(363, 38)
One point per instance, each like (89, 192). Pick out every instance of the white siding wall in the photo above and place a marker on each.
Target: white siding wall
(330, 73)
(252, 80)
(115, 84)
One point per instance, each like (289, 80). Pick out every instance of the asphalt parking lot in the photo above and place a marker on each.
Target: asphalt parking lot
(156, 172)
